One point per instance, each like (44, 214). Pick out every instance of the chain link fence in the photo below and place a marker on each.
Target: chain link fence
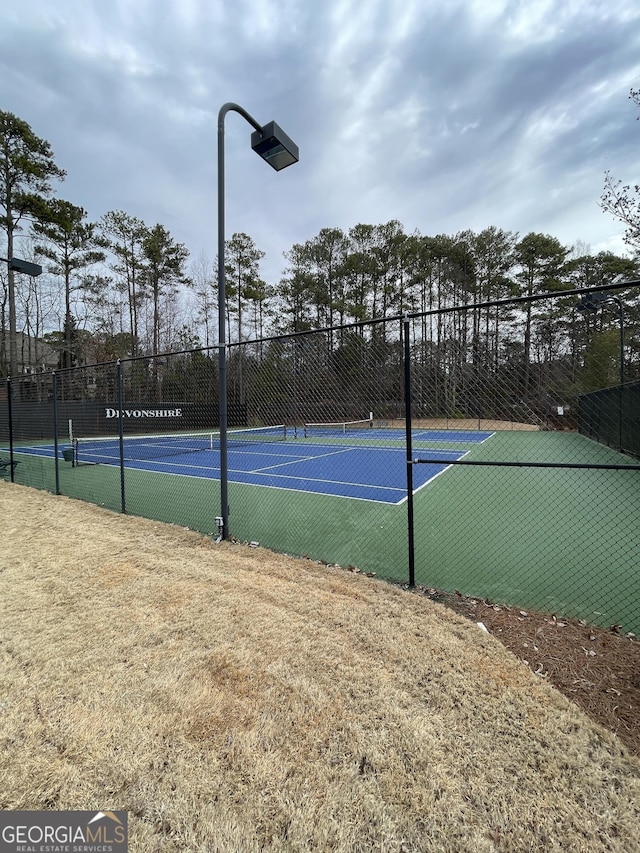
(476, 449)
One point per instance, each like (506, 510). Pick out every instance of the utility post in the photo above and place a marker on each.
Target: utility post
(15, 265)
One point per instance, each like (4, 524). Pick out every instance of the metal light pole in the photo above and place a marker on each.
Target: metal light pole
(279, 151)
(591, 302)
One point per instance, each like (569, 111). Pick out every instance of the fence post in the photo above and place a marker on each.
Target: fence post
(409, 447)
(56, 462)
(123, 505)
(10, 417)
(620, 431)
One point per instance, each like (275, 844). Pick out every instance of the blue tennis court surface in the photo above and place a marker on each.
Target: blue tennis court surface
(368, 466)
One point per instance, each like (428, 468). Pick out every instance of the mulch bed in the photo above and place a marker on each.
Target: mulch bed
(598, 669)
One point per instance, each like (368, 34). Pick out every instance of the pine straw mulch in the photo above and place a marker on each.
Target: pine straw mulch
(597, 669)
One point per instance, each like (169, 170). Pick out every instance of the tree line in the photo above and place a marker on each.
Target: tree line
(119, 288)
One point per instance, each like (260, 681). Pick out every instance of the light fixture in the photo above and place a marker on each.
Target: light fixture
(274, 146)
(26, 267)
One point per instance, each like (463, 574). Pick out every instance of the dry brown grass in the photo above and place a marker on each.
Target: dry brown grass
(235, 700)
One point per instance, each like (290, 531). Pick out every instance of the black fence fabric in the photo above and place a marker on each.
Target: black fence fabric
(612, 416)
(463, 449)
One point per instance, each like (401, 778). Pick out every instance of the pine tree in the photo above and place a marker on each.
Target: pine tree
(27, 168)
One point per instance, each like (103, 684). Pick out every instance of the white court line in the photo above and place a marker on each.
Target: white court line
(358, 485)
(303, 459)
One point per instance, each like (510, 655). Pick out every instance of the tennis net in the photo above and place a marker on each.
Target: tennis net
(140, 447)
(337, 427)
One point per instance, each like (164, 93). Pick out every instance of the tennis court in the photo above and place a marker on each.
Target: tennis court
(512, 534)
(349, 460)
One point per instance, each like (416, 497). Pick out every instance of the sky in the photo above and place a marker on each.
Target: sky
(445, 115)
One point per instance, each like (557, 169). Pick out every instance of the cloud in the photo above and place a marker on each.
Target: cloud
(443, 115)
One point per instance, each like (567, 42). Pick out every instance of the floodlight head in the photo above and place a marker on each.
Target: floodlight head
(593, 301)
(274, 146)
(25, 267)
